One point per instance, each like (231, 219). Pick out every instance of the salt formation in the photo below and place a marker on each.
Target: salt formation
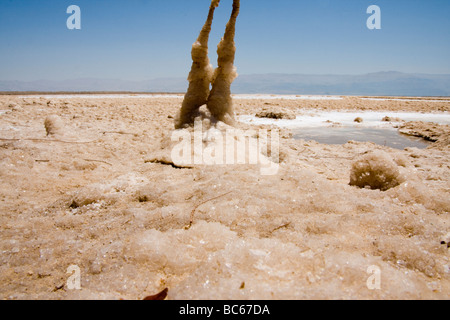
(375, 170)
(210, 146)
(218, 99)
(220, 103)
(53, 125)
(276, 115)
(201, 74)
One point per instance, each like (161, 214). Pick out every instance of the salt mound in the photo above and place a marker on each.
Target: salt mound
(53, 125)
(375, 170)
(276, 115)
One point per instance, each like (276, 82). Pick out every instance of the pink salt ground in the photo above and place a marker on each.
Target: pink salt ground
(87, 195)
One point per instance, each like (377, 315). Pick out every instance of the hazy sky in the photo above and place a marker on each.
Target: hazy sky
(146, 39)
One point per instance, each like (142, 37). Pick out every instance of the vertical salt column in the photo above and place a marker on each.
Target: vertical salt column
(201, 74)
(220, 103)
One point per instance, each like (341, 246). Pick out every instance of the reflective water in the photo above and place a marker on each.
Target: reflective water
(341, 135)
(339, 127)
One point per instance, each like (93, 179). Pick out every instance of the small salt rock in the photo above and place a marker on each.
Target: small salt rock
(15, 107)
(375, 170)
(445, 240)
(276, 115)
(53, 125)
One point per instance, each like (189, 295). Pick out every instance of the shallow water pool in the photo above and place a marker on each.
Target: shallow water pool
(341, 135)
(339, 127)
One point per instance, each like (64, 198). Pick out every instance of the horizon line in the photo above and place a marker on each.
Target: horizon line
(56, 93)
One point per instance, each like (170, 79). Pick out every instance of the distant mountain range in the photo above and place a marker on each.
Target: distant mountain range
(373, 84)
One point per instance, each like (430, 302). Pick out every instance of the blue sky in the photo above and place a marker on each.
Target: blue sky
(146, 39)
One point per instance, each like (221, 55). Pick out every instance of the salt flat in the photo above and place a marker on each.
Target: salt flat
(94, 190)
